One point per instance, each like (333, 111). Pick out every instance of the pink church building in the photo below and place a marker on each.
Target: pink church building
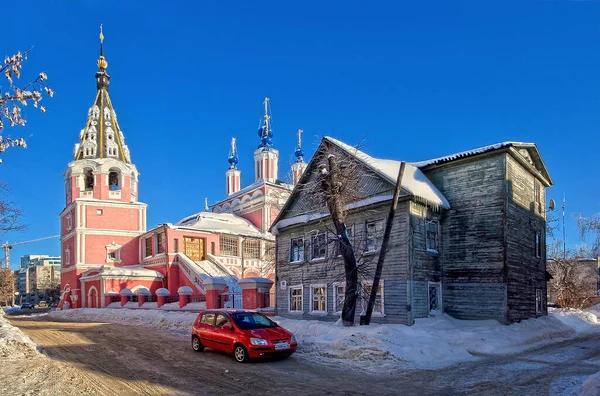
(110, 256)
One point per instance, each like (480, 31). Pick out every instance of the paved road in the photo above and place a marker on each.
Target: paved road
(109, 358)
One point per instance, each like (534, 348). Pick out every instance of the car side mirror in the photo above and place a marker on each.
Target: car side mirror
(227, 327)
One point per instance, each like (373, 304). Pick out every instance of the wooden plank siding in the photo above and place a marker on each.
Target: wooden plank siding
(472, 236)
(525, 218)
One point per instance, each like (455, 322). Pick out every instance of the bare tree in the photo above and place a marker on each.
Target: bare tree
(10, 213)
(15, 97)
(574, 281)
(7, 286)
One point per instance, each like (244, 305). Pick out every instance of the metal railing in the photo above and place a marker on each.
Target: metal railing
(197, 298)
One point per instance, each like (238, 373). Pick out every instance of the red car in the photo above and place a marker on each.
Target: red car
(247, 335)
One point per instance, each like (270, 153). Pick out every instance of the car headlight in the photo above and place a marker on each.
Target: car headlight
(258, 341)
(294, 339)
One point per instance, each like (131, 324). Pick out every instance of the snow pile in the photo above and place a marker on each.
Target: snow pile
(591, 386)
(13, 342)
(178, 322)
(374, 347)
(491, 337)
(579, 320)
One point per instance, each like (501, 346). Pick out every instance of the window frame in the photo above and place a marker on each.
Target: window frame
(290, 299)
(214, 317)
(298, 259)
(365, 299)
(312, 298)
(146, 246)
(229, 242)
(336, 296)
(376, 237)
(539, 302)
(313, 237)
(538, 244)
(251, 245)
(161, 245)
(537, 195)
(436, 240)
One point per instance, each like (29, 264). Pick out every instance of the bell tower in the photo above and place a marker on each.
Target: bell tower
(266, 158)
(102, 216)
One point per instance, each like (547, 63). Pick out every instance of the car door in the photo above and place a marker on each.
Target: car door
(224, 337)
(206, 329)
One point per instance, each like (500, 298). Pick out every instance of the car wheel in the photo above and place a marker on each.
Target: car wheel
(196, 344)
(240, 354)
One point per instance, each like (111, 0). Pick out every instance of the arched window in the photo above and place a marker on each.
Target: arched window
(113, 180)
(89, 180)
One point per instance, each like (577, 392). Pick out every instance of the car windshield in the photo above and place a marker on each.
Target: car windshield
(252, 320)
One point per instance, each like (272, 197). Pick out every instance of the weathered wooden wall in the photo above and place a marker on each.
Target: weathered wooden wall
(472, 253)
(525, 271)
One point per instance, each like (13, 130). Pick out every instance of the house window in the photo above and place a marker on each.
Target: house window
(297, 250)
(378, 307)
(99, 212)
(160, 242)
(113, 181)
(431, 228)
(68, 256)
(176, 245)
(538, 245)
(251, 249)
(339, 296)
(338, 244)
(538, 196)
(296, 299)
(539, 302)
(318, 298)
(229, 246)
(148, 246)
(374, 232)
(318, 245)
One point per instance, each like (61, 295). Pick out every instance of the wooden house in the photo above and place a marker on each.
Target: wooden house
(468, 237)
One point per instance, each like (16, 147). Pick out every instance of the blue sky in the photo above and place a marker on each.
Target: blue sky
(416, 80)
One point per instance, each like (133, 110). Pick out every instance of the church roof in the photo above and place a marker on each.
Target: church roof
(219, 223)
(102, 137)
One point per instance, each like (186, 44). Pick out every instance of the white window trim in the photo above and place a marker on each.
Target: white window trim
(145, 247)
(312, 287)
(335, 285)
(113, 247)
(440, 297)
(290, 288)
(69, 222)
(303, 250)
(375, 314)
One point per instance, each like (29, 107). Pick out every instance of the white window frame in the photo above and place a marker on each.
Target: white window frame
(365, 300)
(312, 298)
(231, 242)
(376, 237)
(68, 255)
(291, 288)
(336, 296)
(440, 298)
(69, 222)
(113, 248)
(299, 260)
(313, 236)
(436, 246)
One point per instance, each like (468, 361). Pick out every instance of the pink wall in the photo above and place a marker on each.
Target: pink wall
(112, 218)
(116, 285)
(95, 301)
(63, 221)
(254, 217)
(71, 244)
(95, 249)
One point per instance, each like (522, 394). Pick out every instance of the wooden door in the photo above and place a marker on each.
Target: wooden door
(194, 248)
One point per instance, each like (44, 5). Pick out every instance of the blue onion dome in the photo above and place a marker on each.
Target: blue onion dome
(299, 154)
(233, 161)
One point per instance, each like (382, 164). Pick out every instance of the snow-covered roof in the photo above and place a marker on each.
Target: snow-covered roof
(469, 153)
(220, 223)
(413, 180)
(129, 271)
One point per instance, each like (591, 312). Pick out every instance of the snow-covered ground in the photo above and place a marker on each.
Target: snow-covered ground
(13, 342)
(431, 343)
